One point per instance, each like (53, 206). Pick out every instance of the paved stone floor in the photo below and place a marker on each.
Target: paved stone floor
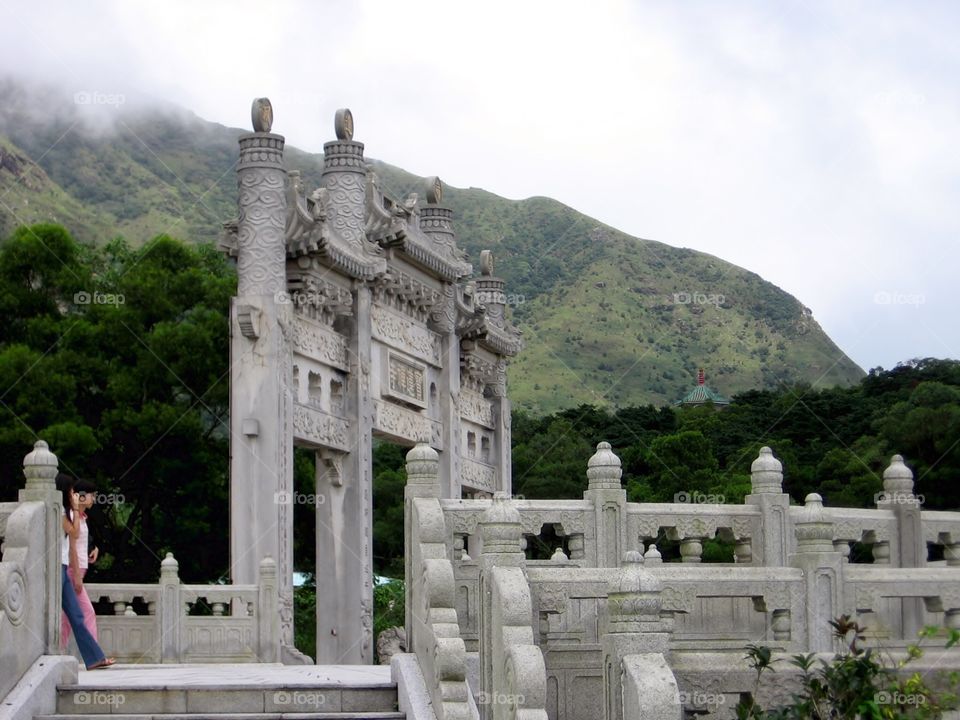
(245, 675)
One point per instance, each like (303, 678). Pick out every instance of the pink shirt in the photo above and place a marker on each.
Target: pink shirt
(83, 541)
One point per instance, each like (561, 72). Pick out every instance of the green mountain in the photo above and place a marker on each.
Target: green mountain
(608, 319)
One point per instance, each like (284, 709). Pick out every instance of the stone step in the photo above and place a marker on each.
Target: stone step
(255, 691)
(253, 700)
(237, 716)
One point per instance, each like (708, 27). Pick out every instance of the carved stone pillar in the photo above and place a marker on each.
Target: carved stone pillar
(502, 534)
(766, 479)
(444, 319)
(344, 520)
(345, 179)
(909, 549)
(171, 609)
(610, 504)
(822, 573)
(634, 626)
(40, 468)
(261, 441)
(423, 480)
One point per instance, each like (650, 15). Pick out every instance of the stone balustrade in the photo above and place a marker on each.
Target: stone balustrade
(793, 571)
(29, 573)
(22, 590)
(150, 622)
(433, 631)
(238, 623)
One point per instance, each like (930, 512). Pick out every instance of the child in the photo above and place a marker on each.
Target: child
(78, 613)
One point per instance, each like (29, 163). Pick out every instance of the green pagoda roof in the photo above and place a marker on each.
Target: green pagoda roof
(701, 394)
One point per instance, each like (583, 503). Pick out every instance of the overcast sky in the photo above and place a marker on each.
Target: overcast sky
(813, 143)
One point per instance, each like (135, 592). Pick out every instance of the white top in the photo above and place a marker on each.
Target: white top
(82, 541)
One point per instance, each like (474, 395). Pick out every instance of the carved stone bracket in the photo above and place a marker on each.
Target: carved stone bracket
(315, 297)
(403, 292)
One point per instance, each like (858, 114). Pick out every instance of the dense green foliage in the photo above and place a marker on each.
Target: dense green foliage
(118, 359)
(856, 684)
(834, 441)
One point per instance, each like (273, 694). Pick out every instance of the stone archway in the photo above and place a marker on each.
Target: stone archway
(354, 314)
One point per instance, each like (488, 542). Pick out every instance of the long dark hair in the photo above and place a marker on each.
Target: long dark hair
(68, 484)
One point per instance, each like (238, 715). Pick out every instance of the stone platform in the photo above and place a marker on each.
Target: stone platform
(261, 692)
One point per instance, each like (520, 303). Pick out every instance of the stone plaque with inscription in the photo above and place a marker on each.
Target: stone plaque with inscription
(406, 380)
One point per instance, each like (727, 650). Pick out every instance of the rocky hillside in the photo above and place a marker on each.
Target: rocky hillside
(608, 319)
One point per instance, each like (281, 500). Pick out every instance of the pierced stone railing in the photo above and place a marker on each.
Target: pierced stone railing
(431, 618)
(792, 573)
(242, 626)
(512, 672)
(22, 590)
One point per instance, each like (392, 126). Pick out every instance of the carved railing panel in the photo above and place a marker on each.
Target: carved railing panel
(23, 587)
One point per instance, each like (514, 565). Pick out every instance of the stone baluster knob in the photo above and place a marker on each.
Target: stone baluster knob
(766, 473)
(604, 469)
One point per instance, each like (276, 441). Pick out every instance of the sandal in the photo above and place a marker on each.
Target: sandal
(105, 663)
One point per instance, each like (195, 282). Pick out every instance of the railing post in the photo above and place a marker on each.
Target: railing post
(822, 569)
(634, 627)
(40, 468)
(423, 480)
(268, 625)
(910, 550)
(766, 480)
(610, 506)
(501, 532)
(170, 610)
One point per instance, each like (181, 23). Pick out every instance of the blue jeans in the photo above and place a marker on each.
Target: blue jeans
(89, 648)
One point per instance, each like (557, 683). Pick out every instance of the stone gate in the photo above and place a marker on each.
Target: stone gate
(354, 317)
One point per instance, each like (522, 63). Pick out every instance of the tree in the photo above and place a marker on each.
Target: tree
(119, 358)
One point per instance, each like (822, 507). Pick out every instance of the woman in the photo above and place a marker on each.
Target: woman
(77, 609)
